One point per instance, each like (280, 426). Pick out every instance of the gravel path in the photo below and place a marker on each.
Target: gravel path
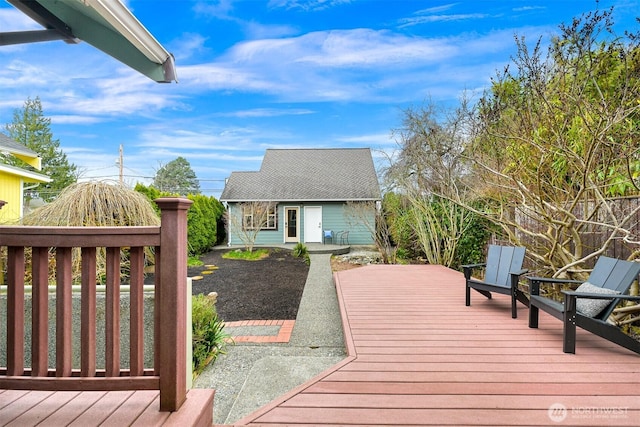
(250, 375)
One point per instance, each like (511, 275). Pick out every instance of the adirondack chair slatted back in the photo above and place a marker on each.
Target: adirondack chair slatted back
(614, 274)
(501, 260)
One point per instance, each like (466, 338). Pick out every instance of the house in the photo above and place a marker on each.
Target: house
(307, 192)
(14, 180)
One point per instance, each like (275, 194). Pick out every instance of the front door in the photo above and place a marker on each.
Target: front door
(291, 225)
(313, 224)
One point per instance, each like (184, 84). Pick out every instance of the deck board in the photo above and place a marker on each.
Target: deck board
(418, 356)
(99, 408)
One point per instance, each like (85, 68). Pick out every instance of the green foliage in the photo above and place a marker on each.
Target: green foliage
(151, 194)
(202, 222)
(209, 337)
(194, 261)
(558, 140)
(301, 251)
(542, 155)
(474, 231)
(397, 211)
(32, 129)
(247, 255)
(177, 177)
(470, 248)
(203, 218)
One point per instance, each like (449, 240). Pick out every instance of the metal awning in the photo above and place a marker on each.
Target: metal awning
(105, 24)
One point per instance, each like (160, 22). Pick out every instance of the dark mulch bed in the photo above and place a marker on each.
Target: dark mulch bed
(269, 289)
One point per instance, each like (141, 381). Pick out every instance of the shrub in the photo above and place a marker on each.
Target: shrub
(202, 223)
(473, 240)
(300, 251)
(209, 338)
(203, 219)
(94, 204)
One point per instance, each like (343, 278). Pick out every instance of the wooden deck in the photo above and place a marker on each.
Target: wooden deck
(418, 356)
(99, 408)
(92, 392)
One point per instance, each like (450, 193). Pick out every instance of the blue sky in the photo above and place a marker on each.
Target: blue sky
(269, 74)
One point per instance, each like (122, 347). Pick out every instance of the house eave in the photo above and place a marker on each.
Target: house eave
(105, 24)
(27, 176)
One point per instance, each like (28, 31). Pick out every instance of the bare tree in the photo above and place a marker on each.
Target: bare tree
(370, 215)
(547, 151)
(557, 143)
(427, 171)
(247, 219)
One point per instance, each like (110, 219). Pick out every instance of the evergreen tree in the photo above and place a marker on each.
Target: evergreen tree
(177, 177)
(33, 130)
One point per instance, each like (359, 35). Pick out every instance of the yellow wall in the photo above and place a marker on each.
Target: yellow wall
(10, 192)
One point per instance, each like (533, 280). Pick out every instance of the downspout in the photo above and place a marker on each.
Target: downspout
(228, 224)
(31, 187)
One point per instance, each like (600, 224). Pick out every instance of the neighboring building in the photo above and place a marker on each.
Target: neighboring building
(14, 180)
(309, 190)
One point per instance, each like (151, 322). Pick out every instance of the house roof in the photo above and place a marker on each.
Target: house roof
(27, 176)
(25, 154)
(105, 24)
(338, 174)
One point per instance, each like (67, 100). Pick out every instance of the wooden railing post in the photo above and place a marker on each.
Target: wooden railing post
(173, 304)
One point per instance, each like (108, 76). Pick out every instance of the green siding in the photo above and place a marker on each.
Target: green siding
(333, 218)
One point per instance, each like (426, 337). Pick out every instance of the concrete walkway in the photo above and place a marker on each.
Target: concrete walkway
(251, 375)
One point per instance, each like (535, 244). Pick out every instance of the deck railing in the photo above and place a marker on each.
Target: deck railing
(169, 241)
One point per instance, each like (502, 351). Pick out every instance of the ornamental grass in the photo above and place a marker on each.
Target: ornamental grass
(95, 204)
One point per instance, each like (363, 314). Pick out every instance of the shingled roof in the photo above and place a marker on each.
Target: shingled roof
(336, 174)
(8, 144)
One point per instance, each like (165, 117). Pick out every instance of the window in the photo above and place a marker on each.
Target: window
(260, 215)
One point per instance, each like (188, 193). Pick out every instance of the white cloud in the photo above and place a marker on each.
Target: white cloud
(220, 9)
(255, 30)
(307, 5)
(418, 20)
(73, 119)
(188, 45)
(12, 19)
(267, 112)
(351, 65)
(362, 48)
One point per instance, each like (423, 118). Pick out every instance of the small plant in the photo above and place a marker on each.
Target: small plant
(194, 261)
(300, 251)
(254, 255)
(209, 338)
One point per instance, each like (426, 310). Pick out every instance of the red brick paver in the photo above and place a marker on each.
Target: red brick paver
(284, 333)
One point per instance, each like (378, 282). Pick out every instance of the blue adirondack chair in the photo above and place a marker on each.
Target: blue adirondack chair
(591, 304)
(502, 274)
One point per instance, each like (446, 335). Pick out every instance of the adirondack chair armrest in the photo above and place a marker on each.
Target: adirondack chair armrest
(467, 269)
(519, 272)
(618, 297)
(534, 283)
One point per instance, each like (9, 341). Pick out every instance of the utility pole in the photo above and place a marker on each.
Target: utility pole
(120, 161)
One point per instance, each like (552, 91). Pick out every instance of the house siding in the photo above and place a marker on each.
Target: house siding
(10, 192)
(333, 218)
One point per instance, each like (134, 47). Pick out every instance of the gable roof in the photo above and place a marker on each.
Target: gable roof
(25, 154)
(337, 174)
